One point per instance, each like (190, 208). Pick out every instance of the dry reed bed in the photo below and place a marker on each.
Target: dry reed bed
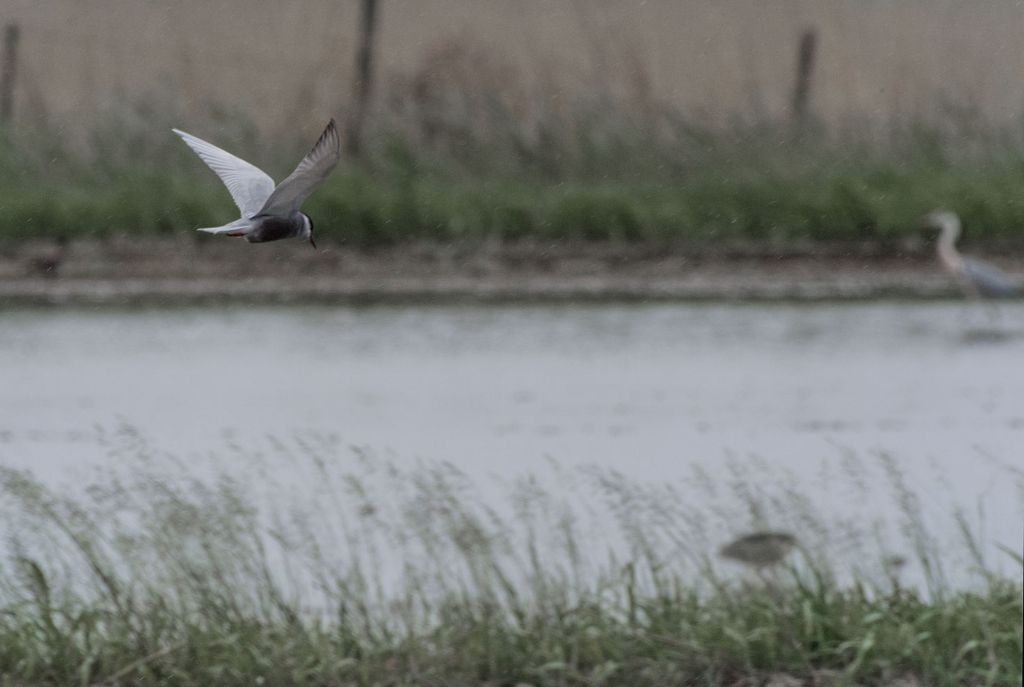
(715, 60)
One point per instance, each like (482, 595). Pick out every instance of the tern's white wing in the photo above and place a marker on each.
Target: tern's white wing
(310, 173)
(249, 185)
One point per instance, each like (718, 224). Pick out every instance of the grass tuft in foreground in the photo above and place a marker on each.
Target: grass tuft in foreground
(385, 576)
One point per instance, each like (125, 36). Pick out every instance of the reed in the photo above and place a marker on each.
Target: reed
(386, 576)
(558, 121)
(717, 61)
(581, 182)
(462, 148)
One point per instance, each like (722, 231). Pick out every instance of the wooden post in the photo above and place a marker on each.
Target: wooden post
(804, 72)
(8, 73)
(363, 77)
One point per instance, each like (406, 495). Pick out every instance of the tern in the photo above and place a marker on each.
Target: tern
(269, 212)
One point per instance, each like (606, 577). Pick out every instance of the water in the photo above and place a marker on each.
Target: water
(653, 391)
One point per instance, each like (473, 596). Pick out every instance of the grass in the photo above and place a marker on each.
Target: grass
(388, 576)
(597, 176)
(661, 124)
(854, 201)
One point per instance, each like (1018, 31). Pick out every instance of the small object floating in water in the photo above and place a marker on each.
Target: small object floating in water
(976, 277)
(269, 212)
(759, 549)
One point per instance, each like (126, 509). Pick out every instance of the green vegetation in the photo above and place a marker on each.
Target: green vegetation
(616, 179)
(413, 577)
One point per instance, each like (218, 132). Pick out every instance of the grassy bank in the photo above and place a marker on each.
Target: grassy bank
(384, 576)
(616, 180)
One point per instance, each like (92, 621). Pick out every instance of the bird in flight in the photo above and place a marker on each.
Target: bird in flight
(976, 277)
(269, 212)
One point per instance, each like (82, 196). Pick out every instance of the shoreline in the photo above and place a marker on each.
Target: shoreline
(188, 270)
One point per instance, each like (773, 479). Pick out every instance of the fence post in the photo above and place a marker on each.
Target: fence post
(363, 76)
(804, 71)
(9, 72)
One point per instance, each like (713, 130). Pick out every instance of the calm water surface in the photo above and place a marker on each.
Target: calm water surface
(651, 390)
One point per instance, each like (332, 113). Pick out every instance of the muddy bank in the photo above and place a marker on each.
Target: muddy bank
(186, 269)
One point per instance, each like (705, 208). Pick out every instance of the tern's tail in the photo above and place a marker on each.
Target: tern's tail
(240, 227)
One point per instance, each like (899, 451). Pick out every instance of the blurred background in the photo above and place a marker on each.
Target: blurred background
(658, 121)
(712, 64)
(609, 293)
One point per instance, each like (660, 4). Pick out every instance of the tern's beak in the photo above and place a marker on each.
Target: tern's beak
(312, 242)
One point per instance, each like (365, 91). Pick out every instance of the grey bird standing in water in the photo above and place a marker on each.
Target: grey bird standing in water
(976, 278)
(269, 212)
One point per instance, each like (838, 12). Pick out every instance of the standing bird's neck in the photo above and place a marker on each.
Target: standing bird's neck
(950, 232)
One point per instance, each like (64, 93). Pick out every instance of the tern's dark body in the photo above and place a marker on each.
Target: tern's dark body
(275, 227)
